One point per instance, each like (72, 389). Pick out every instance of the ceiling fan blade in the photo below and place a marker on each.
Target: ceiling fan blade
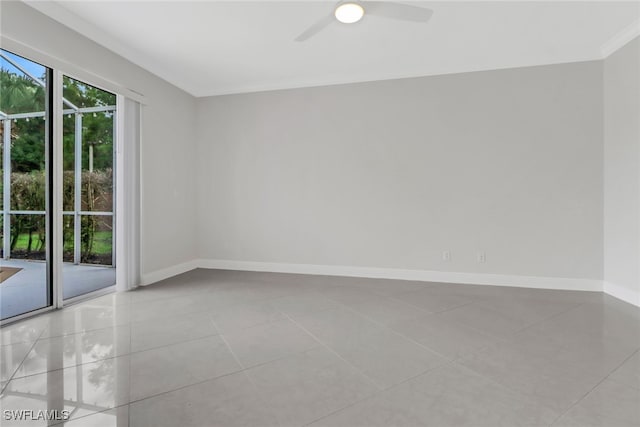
(403, 12)
(315, 28)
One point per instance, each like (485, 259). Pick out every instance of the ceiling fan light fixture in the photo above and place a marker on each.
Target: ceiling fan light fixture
(349, 13)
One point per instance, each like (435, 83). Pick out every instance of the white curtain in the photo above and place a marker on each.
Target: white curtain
(128, 195)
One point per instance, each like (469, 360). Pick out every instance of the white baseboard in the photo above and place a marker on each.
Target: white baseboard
(402, 274)
(622, 293)
(165, 273)
(560, 283)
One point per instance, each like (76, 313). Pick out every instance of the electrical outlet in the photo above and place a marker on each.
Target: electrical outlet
(482, 257)
(446, 256)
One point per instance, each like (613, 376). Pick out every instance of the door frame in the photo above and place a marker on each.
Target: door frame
(54, 174)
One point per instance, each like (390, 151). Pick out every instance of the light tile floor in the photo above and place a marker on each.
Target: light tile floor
(221, 348)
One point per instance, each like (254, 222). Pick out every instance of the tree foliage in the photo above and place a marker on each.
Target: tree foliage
(97, 129)
(21, 95)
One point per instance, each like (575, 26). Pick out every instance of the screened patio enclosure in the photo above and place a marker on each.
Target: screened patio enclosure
(87, 191)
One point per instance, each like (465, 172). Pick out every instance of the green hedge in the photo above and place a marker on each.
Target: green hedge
(28, 194)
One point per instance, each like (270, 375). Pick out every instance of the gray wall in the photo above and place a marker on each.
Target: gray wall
(386, 174)
(390, 174)
(622, 171)
(167, 146)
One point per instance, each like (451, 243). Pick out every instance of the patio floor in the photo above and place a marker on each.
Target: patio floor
(26, 290)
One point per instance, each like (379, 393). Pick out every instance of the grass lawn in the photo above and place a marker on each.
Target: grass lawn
(102, 243)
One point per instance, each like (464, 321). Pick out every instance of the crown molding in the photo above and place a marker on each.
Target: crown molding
(620, 39)
(62, 15)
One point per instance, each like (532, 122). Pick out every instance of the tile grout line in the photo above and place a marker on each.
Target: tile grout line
(322, 344)
(456, 362)
(379, 392)
(244, 369)
(618, 367)
(393, 298)
(199, 311)
(393, 331)
(380, 389)
(333, 352)
(449, 361)
(553, 316)
(511, 335)
(64, 334)
(128, 381)
(519, 393)
(22, 361)
(130, 353)
(130, 402)
(388, 328)
(170, 344)
(594, 387)
(370, 380)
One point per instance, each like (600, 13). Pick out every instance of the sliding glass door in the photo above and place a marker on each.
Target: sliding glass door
(88, 188)
(82, 181)
(25, 202)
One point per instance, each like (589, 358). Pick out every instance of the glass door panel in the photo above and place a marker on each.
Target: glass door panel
(25, 279)
(88, 188)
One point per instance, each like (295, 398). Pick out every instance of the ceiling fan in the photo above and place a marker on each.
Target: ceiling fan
(350, 12)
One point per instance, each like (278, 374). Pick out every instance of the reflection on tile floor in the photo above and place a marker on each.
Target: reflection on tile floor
(213, 347)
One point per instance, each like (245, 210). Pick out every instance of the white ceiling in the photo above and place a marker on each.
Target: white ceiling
(213, 47)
